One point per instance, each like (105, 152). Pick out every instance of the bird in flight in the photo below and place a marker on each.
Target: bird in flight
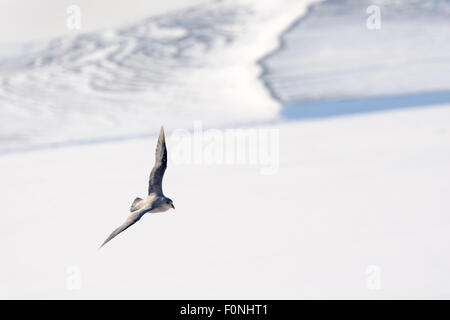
(156, 201)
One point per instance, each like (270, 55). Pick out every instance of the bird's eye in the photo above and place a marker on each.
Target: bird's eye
(168, 202)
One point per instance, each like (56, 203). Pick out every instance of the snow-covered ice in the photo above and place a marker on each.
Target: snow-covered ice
(331, 54)
(351, 193)
(198, 63)
(356, 199)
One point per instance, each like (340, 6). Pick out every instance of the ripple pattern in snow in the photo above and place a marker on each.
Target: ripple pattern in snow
(198, 63)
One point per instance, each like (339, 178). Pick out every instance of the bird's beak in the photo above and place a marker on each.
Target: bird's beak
(173, 207)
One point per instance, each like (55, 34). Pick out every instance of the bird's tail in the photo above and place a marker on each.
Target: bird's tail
(135, 204)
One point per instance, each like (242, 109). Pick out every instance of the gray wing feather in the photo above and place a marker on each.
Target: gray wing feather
(156, 176)
(132, 219)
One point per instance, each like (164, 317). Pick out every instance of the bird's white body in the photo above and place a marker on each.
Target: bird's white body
(149, 204)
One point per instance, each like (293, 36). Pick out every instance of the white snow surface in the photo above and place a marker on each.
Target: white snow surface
(353, 192)
(198, 63)
(352, 195)
(332, 54)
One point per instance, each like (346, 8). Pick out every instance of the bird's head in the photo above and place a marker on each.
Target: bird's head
(168, 203)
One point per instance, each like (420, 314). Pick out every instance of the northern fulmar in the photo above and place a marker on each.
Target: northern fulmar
(156, 201)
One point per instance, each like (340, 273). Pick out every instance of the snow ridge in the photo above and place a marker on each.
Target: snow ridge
(194, 64)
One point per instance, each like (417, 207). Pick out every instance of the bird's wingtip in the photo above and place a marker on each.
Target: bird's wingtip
(104, 242)
(161, 132)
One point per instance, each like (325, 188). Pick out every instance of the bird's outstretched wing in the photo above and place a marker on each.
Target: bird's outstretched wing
(132, 219)
(156, 176)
